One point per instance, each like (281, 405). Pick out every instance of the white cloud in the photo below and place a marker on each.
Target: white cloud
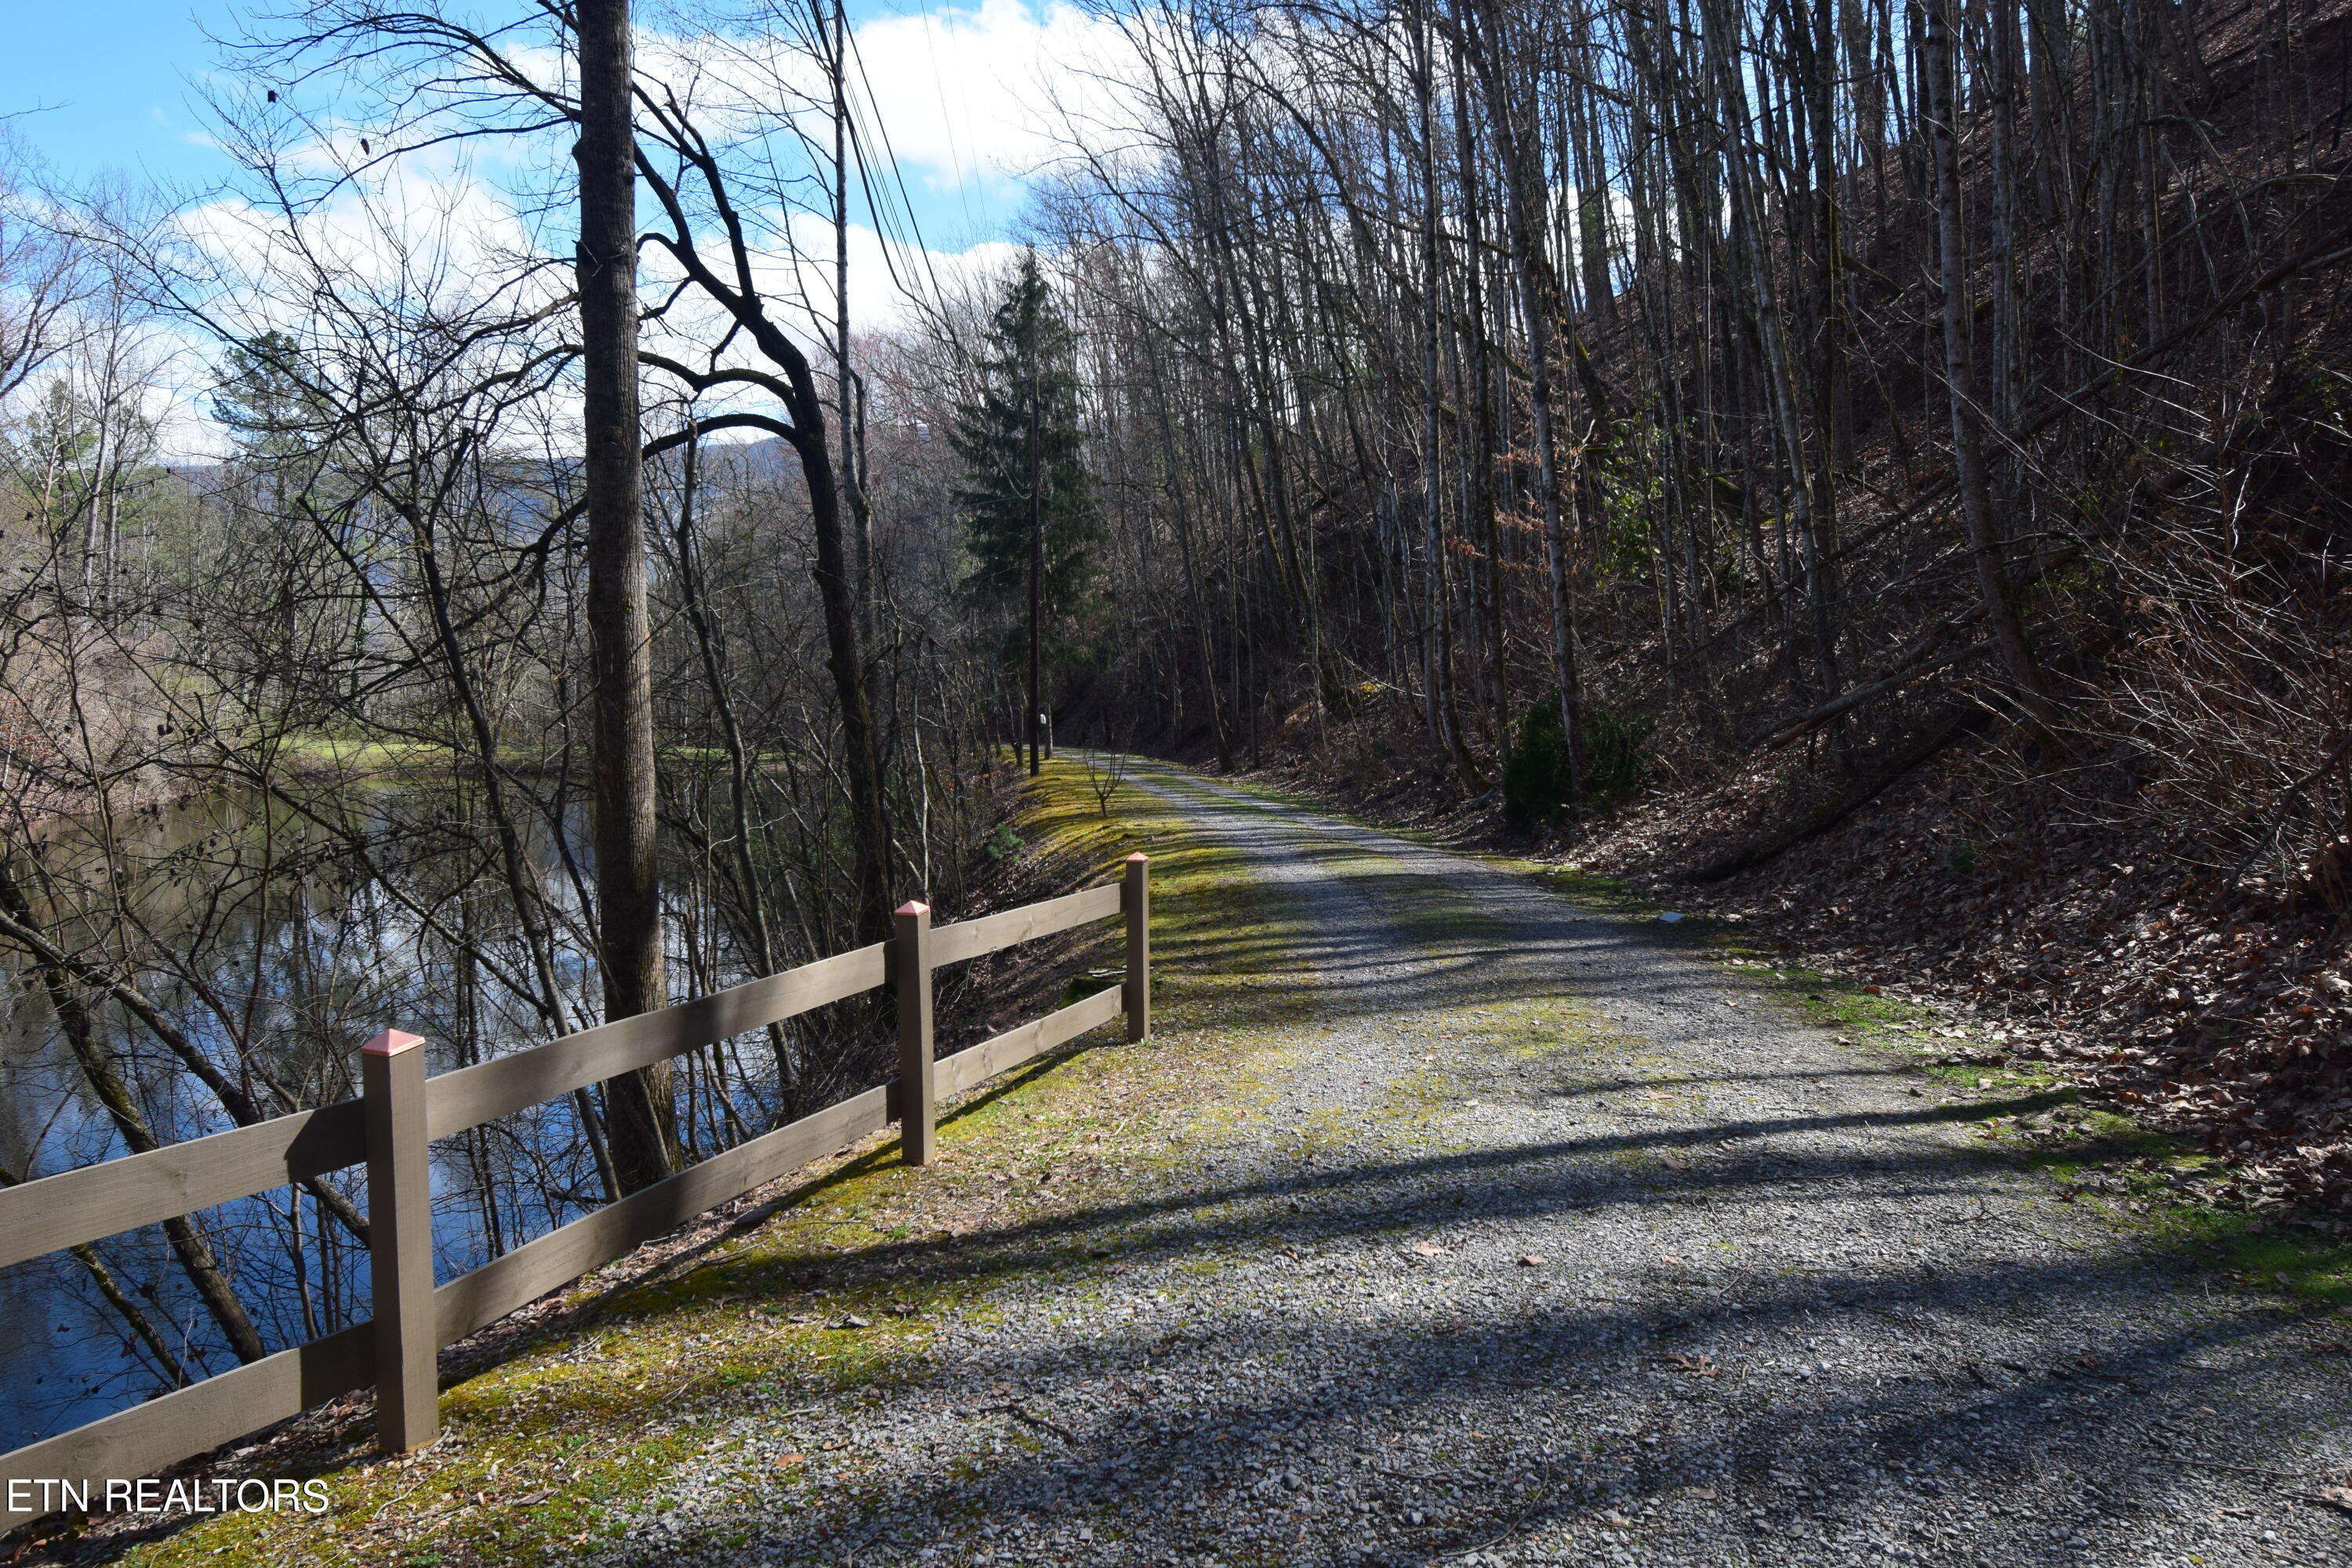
(891, 288)
(987, 95)
(430, 234)
(883, 275)
(434, 214)
(958, 95)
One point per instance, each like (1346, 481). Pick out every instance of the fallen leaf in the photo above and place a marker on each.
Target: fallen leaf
(1530, 1259)
(1429, 1250)
(786, 1461)
(1697, 1366)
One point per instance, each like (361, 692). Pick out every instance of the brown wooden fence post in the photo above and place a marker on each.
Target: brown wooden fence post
(1135, 902)
(400, 1238)
(911, 980)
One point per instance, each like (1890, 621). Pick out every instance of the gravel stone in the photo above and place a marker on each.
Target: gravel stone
(1706, 1287)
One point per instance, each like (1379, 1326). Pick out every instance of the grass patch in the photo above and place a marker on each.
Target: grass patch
(346, 755)
(2178, 1200)
(2138, 1180)
(1275, 795)
(1594, 891)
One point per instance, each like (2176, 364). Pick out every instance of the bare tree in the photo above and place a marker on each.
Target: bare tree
(620, 635)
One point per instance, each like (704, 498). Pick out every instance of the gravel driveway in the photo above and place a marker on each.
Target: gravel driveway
(1550, 1244)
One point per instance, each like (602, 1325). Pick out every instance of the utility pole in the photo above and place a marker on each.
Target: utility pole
(1037, 548)
(853, 481)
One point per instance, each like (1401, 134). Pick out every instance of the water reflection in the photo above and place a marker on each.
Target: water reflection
(270, 935)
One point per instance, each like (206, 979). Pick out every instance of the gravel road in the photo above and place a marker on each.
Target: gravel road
(1554, 1245)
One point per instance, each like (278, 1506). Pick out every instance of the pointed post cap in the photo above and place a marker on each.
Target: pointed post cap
(913, 907)
(391, 1043)
(1138, 858)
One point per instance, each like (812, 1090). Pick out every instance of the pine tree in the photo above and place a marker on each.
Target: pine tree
(1028, 352)
(259, 396)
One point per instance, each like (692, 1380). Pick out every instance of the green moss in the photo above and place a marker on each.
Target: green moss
(1589, 890)
(2313, 1269)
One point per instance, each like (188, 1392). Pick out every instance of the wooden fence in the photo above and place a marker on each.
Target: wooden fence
(401, 1111)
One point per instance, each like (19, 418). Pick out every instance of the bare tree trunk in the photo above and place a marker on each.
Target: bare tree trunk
(639, 1106)
(1522, 221)
(1959, 372)
(1439, 684)
(869, 811)
(852, 482)
(1478, 461)
(1036, 563)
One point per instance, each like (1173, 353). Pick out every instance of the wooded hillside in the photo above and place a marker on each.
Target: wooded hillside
(1520, 412)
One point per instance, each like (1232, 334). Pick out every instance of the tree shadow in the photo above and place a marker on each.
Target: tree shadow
(1580, 1372)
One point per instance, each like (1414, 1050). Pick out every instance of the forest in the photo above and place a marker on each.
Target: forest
(1870, 471)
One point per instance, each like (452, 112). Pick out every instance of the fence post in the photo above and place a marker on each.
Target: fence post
(400, 1242)
(1135, 901)
(910, 981)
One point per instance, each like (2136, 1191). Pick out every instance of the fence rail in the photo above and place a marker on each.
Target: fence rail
(401, 1111)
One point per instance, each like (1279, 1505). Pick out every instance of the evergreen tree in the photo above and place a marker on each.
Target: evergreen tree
(1028, 352)
(280, 424)
(259, 395)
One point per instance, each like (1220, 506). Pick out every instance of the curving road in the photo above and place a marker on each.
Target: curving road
(1549, 1244)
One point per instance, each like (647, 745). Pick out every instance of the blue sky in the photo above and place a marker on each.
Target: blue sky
(107, 83)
